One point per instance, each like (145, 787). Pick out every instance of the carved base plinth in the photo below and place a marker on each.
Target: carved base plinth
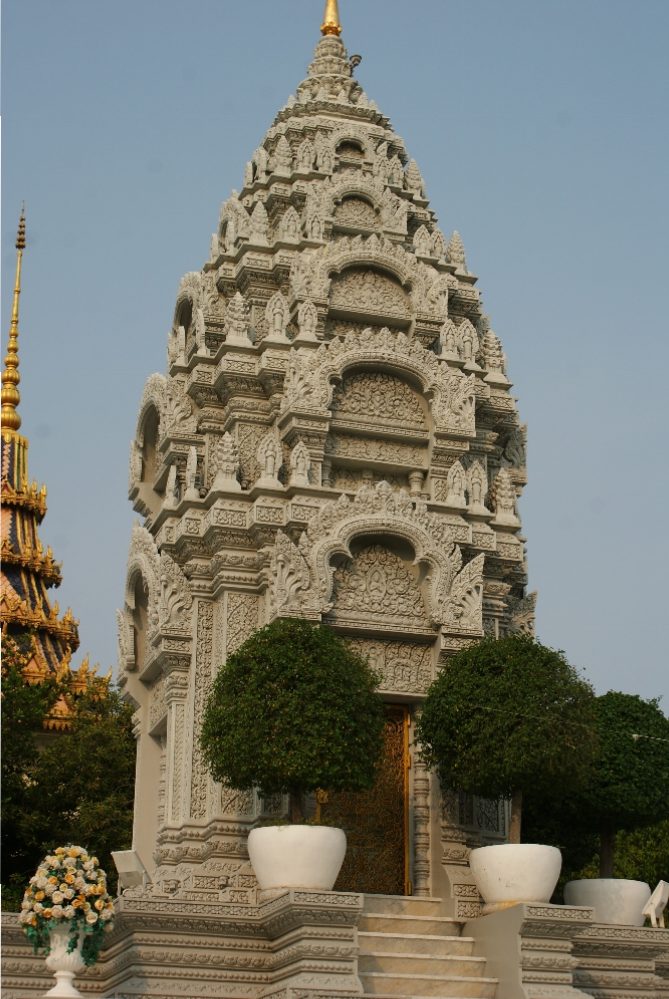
(172, 948)
(557, 952)
(622, 961)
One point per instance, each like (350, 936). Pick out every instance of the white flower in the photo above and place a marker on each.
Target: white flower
(91, 917)
(49, 889)
(40, 882)
(38, 907)
(106, 915)
(70, 862)
(57, 911)
(68, 893)
(69, 912)
(57, 897)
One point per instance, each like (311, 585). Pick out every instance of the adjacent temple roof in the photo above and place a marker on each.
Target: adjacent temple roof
(28, 571)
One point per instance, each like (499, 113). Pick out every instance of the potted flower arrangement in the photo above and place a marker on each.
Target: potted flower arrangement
(505, 718)
(627, 790)
(294, 710)
(65, 912)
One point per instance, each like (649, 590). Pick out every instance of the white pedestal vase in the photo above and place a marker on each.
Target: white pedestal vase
(511, 873)
(63, 964)
(615, 900)
(296, 856)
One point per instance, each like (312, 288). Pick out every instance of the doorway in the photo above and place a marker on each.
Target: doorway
(376, 822)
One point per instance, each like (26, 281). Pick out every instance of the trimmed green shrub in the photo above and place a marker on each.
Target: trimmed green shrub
(507, 717)
(293, 710)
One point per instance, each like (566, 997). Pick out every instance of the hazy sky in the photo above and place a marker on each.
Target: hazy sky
(540, 127)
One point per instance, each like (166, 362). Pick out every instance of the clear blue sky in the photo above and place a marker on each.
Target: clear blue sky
(540, 127)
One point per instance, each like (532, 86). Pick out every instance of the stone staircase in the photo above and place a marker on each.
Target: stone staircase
(408, 949)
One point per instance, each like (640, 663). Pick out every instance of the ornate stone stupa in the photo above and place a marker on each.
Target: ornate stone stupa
(335, 439)
(28, 571)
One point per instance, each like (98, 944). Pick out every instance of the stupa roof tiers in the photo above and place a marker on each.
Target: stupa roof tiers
(28, 569)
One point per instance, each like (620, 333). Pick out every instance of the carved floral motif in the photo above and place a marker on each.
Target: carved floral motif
(378, 395)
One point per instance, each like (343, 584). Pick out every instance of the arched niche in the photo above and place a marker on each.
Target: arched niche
(350, 152)
(183, 316)
(149, 433)
(380, 602)
(139, 593)
(369, 293)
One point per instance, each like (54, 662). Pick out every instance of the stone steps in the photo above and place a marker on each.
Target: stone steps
(421, 964)
(414, 943)
(415, 986)
(418, 925)
(408, 949)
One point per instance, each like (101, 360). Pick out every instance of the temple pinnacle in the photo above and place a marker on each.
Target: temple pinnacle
(10, 376)
(331, 24)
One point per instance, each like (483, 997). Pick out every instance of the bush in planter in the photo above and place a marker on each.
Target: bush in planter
(507, 717)
(294, 709)
(629, 785)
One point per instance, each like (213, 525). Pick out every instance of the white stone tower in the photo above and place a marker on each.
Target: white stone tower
(334, 439)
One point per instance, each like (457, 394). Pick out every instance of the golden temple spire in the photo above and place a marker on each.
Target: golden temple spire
(10, 376)
(331, 24)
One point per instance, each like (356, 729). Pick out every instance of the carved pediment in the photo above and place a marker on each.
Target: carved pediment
(308, 385)
(301, 577)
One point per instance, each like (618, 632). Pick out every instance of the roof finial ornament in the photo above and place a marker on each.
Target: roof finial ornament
(331, 24)
(10, 376)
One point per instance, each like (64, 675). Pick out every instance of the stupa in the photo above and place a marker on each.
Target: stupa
(46, 641)
(335, 439)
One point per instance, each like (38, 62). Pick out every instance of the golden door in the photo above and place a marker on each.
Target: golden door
(376, 822)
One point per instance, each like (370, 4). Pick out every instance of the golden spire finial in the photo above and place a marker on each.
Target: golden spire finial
(331, 24)
(10, 376)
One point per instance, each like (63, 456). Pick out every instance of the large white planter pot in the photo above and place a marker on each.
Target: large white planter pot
(64, 966)
(515, 872)
(615, 900)
(296, 856)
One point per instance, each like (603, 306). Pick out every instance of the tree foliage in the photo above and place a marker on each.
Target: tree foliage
(75, 786)
(508, 717)
(293, 710)
(24, 708)
(629, 785)
(641, 854)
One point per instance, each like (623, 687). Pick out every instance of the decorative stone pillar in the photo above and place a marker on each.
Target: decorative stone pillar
(176, 692)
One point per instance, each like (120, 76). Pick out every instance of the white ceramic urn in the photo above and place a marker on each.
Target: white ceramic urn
(511, 873)
(296, 856)
(615, 900)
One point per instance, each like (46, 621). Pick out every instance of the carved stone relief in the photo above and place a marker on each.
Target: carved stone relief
(376, 584)
(404, 667)
(368, 291)
(241, 619)
(203, 679)
(356, 213)
(376, 395)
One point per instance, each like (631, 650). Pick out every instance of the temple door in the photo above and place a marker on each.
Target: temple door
(376, 822)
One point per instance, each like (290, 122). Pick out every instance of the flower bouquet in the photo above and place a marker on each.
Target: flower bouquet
(68, 892)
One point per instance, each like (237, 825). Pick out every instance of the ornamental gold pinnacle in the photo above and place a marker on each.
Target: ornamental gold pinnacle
(331, 24)
(10, 376)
